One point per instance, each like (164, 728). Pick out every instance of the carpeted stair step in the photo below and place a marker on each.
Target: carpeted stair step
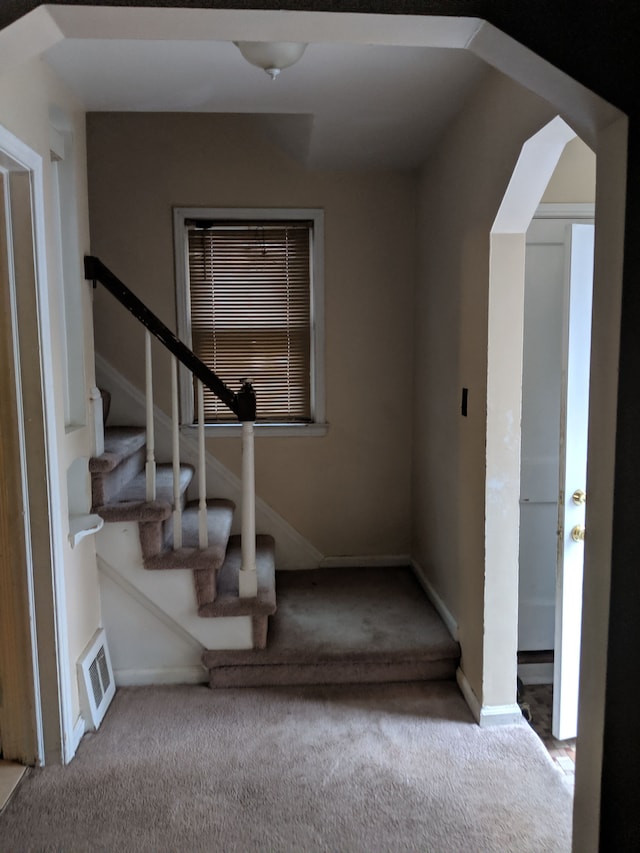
(120, 442)
(119, 495)
(130, 503)
(158, 552)
(122, 459)
(336, 626)
(227, 603)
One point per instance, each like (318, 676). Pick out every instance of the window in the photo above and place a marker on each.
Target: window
(250, 307)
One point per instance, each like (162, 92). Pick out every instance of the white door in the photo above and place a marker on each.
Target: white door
(573, 476)
(546, 610)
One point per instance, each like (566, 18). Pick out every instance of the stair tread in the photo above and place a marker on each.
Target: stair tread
(217, 508)
(227, 602)
(190, 556)
(131, 504)
(136, 488)
(119, 444)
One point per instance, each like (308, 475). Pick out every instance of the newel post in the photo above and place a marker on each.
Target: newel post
(248, 577)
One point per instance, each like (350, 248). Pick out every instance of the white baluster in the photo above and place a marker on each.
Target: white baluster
(202, 473)
(248, 577)
(150, 468)
(175, 434)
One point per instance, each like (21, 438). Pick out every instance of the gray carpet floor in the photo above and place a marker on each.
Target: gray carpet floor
(355, 612)
(397, 767)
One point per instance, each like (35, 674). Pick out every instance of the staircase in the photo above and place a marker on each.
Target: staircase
(178, 559)
(118, 483)
(333, 626)
(233, 578)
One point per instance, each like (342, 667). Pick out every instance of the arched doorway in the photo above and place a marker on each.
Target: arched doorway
(538, 158)
(537, 161)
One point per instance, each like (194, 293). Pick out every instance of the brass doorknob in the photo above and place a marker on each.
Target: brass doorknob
(577, 533)
(579, 497)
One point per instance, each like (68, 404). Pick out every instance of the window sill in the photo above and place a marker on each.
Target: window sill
(263, 430)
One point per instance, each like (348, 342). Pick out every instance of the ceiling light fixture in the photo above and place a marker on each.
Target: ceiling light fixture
(271, 56)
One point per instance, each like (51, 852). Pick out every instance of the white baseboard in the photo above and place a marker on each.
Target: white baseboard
(77, 735)
(147, 677)
(372, 561)
(469, 696)
(487, 715)
(443, 611)
(500, 715)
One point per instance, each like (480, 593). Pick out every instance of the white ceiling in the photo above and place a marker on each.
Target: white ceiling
(343, 105)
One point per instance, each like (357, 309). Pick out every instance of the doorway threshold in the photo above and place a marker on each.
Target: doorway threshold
(538, 656)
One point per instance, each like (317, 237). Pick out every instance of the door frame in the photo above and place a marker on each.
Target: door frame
(36, 564)
(502, 475)
(538, 159)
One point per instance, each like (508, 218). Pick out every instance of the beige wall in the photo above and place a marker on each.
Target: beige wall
(348, 493)
(574, 179)
(461, 189)
(27, 94)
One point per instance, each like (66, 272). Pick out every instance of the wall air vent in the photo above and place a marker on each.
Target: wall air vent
(96, 682)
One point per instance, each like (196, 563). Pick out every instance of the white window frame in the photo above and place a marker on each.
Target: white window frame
(318, 426)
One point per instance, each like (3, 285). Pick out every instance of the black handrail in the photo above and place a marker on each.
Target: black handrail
(242, 403)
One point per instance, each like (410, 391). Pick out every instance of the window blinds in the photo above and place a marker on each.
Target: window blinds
(249, 286)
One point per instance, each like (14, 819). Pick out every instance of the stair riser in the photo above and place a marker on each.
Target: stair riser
(155, 534)
(205, 583)
(152, 536)
(330, 673)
